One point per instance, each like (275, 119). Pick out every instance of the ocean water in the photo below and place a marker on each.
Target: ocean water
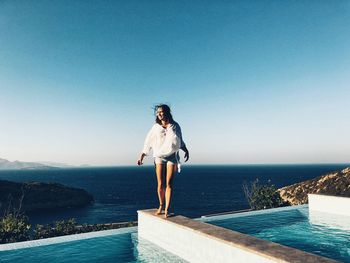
(198, 190)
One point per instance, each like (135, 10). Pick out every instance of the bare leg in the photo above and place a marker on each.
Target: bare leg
(171, 168)
(160, 172)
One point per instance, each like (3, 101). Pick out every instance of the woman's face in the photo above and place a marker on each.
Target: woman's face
(160, 114)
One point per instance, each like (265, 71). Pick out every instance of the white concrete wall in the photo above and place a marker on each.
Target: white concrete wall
(190, 244)
(329, 204)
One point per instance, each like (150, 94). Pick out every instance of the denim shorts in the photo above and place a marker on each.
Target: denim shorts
(171, 159)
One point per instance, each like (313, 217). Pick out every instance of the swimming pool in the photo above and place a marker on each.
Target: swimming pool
(122, 246)
(316, 232)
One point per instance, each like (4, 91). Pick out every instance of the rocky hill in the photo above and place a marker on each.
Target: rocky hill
(335, 183)
(38, 196)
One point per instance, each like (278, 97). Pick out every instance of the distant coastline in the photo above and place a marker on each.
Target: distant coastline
(18, 165)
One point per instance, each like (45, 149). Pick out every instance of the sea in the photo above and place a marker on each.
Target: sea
(198, 190)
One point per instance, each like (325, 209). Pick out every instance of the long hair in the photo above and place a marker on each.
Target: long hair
(167, 113)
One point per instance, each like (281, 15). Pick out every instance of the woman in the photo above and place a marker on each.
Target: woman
(165, 139)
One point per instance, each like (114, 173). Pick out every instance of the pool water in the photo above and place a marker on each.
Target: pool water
(125, 247)
(320, 233)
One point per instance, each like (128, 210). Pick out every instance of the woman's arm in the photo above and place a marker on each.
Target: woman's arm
(183, 144)
(147, 146)
(140, 160)
(187, 154)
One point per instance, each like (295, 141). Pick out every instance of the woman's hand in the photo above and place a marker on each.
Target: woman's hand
(140, 160)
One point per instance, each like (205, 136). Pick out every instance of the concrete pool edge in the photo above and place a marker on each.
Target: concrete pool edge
(208, 218)
(198, 241)
(67, 238)
(330, 204)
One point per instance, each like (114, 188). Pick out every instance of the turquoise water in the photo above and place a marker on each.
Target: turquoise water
(316, 232)
(125, 247)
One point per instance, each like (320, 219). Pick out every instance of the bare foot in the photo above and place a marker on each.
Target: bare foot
(166, 214)
(159, 211)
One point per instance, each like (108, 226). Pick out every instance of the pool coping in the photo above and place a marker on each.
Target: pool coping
(208, 218)
(67, 238)
(260, 247)
(338, 205)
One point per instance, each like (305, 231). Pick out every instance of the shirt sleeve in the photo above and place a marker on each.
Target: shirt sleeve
(148, 141)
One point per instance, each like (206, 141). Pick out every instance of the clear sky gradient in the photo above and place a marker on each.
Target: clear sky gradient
(248, 81)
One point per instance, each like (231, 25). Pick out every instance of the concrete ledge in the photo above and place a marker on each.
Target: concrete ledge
(63, 239)
(329, 204)
(241, 213)
(197, 241)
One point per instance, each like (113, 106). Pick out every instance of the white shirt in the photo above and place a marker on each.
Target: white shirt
(163, 141)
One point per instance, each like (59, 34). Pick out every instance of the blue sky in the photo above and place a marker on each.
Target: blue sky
(248, 81)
